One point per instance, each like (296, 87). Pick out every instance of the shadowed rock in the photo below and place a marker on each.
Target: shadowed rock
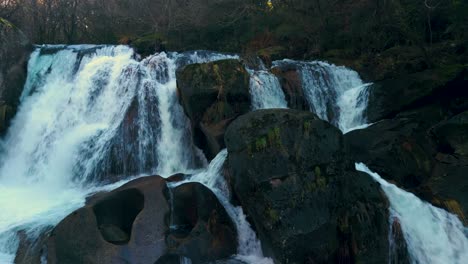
(141, 222)
(14, 54)
(213, 94)
(291, 175)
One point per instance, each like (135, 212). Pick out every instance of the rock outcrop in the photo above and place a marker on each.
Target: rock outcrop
(14, 54)
(291, 83)
(213, 95)
(308, 204)
(145, 222)
(421, 151)
(398, 149)
(389, 97)
(421, 143)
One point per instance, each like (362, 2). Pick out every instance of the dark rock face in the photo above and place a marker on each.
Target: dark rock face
(422, 145)
(290, 172)
(448, 182)
(398, 247)
(203, 229)
(213, 94)
(142, 222)
(30, 252)
(398, 149)
(291, 83)
(14, 53)
(452, 135)
(389, 97)
(421, 152)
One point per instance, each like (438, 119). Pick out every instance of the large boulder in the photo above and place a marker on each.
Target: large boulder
(389, 97)
(213, 94)
(306, 201)
(14, 54)
(144, 221)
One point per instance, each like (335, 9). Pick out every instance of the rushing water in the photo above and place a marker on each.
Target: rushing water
(266, 91)
(335, 93)
(77, 112)
(249, 249)
(88, 111)
(432, 235)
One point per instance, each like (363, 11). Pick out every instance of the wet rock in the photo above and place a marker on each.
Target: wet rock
(398, 247)
(213, 94)
(145, 222)
(124, 155)
(14, 54)
(400, 150)
(291, 83)
(423, 151)
(200, 226)
(389, 97)
(31, 251)
(307, 203)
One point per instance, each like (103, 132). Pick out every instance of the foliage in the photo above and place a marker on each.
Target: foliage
(295, 28)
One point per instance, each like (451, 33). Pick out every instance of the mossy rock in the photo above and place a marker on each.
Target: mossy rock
(270, 54)
(290, 174)
(6, 23)
(213, 94)
(149, 44)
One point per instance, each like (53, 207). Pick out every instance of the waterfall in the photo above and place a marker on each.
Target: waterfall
(94, 117)
(432, 235)
(335, 93)
(249, 248)
(266, 91)
(88, 112)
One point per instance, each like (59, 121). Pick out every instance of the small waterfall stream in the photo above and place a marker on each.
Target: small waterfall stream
(249, 249)
(266, 91)
(335, 93)
(432, 234)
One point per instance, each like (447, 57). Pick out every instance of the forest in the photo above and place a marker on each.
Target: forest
(298, 28)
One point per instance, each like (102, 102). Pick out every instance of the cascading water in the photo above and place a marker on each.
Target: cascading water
(249, 249)
(266, 91)
(83, 107)
(335, 93)
(432, 235)
(88, 111)
(163, 144)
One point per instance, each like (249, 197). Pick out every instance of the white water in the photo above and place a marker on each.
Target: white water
(249, 249)
(173, 151)
(335, 93)
(72, 110)
(432, 235)
(58, 136)
(76, 99)
(266, 91)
